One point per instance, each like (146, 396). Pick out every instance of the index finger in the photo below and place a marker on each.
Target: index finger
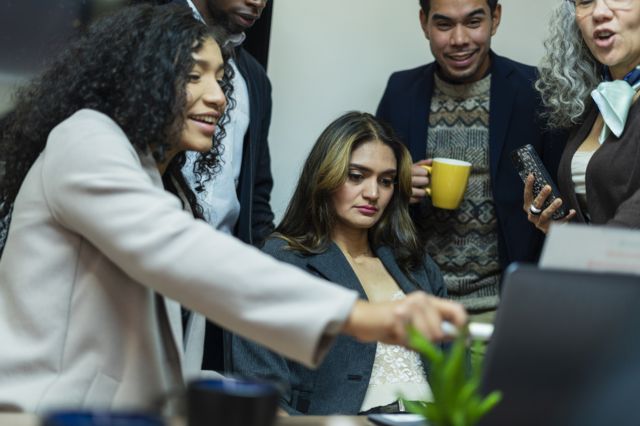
(450, 311)
(418, 170)
(528, 190)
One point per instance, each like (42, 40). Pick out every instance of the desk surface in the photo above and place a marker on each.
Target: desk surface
(32, 420)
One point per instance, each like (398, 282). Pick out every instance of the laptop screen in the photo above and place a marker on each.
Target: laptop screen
(566, 349)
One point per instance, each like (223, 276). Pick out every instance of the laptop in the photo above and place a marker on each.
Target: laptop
(565, 350)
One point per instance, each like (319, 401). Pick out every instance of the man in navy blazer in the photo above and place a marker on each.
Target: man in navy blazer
(237, 199)
(472, 105)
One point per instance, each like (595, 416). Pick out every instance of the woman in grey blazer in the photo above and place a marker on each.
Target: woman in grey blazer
(348, 222)
(100, 257)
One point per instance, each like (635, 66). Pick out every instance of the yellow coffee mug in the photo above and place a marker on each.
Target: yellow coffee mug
(447, 182)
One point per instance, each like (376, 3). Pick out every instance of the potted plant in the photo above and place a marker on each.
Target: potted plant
(456, 395)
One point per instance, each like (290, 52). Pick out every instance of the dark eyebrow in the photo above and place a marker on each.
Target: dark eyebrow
(479, 11)
(203, 63)
(476, 12)
(366, 169)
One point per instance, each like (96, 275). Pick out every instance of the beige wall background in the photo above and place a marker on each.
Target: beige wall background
(331, 56)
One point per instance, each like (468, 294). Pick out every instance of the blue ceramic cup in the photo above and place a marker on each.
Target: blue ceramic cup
(231, 402)
(101, 418)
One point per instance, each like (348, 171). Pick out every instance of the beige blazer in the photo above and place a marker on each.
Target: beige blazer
(98, 259)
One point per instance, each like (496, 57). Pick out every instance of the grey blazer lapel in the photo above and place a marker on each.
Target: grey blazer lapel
(333, 266)
(389, 261)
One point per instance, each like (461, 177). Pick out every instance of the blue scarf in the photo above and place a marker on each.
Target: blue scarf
(614, 98)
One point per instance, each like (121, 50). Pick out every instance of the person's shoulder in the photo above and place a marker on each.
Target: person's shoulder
(410, 75)
(274, 244)
(279, 248)
(511, 65)
(91, 116)
(253, 71)
(86, 124)
(246, 61)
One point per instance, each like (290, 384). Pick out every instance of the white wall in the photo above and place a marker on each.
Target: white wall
(330, 56)
(8, 85)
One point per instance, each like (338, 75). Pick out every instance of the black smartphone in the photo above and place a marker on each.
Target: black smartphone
(526, 161)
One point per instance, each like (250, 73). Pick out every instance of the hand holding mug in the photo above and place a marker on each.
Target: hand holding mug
(447, 182)
(419, 179)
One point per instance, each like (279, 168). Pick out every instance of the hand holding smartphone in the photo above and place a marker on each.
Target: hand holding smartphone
(526, 161)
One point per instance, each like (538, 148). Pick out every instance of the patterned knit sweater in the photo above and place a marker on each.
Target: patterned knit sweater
(464, 242)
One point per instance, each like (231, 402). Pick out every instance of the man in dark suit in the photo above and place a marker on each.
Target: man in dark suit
(237, 199)
(472, 105)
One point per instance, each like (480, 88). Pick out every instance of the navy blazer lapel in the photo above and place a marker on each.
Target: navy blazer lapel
(419, 114)
(333, 266)
(249, 144)
(242, 63)
(388, 260)
(503, 94)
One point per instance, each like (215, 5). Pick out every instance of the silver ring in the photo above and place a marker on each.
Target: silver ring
(534, 210)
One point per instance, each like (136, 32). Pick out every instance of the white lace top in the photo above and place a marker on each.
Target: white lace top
(397, 372)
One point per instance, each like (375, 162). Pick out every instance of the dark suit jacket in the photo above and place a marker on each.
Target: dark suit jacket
(340, 383)
(254, 189)
(514, 108)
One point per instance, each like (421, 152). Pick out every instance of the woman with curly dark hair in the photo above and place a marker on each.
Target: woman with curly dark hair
(99, 256)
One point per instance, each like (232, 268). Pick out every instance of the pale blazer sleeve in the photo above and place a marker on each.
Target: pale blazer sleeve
(97, 185)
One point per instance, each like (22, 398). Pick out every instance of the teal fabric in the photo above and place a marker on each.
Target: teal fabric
(614, 98)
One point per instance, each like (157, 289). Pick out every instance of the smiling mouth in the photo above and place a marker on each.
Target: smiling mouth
(460, 57)
(207, 119)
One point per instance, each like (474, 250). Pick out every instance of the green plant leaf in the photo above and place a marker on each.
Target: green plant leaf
(466, 393)
(456, 397)
(423, 346)
(433, 355)
(416, 407)
(453, 375)
(434, 415)
(481, 407)
(489, 402)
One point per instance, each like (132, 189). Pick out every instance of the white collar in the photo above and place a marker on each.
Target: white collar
(234, 40)
(196, 13)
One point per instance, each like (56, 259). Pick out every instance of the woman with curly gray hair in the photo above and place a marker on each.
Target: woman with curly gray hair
(589, 82)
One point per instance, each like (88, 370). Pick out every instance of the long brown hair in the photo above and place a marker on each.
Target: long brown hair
(310, 216)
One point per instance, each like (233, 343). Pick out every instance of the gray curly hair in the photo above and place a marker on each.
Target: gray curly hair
(568, 71)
